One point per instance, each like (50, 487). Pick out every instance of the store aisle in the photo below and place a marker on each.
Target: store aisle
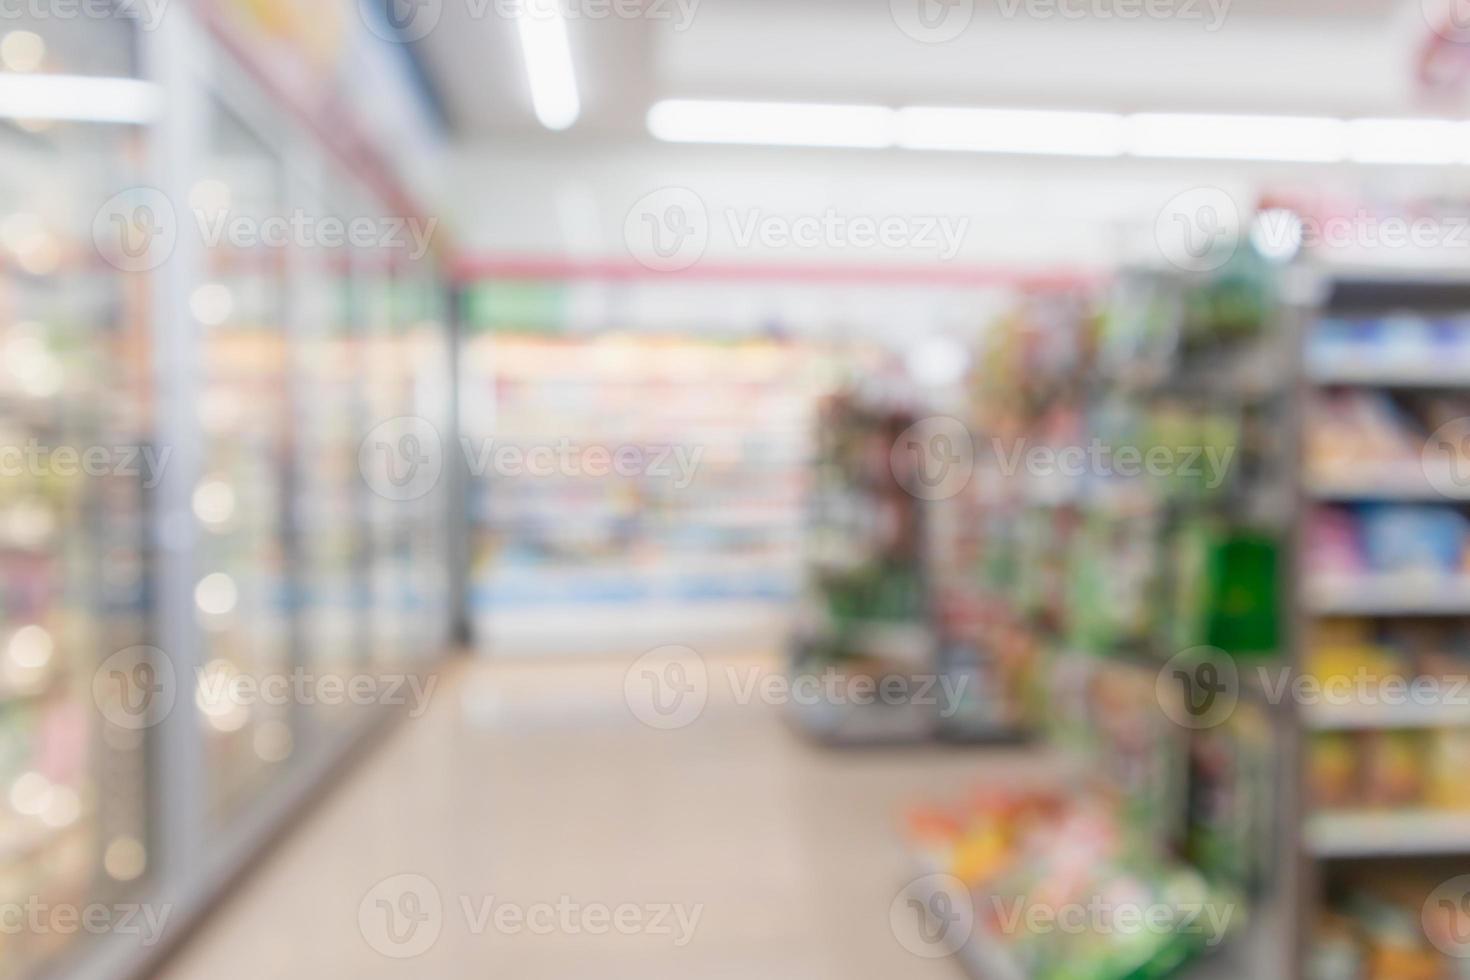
(532, 786)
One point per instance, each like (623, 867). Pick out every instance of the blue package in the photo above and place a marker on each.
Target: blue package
(1401, 538)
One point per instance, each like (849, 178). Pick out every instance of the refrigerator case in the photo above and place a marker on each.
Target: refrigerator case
(243, 599)
(73, 409)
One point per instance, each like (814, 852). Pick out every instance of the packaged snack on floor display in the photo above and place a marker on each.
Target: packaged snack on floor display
(1056, 881)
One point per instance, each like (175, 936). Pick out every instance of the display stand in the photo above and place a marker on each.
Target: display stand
(1134, 579)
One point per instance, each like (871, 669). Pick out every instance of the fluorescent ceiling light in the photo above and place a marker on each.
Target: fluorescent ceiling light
(1091, 134)
(772, 123)
(77, 98)
(1426, 141)
(1185, 136)
(548, 54)
(1308, 139)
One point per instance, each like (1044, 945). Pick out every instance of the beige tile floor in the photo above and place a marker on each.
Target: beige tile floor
(535, 784)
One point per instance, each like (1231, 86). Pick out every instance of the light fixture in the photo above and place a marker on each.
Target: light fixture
(22, 51)
(548, 54)
(1088, 134)
(1306, 139)
(75, 98)
(1042, 132)
(1426, 141)
(773, 123)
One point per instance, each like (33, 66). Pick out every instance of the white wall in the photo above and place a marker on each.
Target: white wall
(565, 197)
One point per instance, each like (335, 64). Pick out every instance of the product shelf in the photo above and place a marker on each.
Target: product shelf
(1359, 717)
(1382, 591)
(1387, 483)
(1388, 833)
(1387, 595)
(1369, 372)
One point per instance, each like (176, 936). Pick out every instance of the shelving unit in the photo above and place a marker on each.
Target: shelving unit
(1111, 574)
(866, 606)
(697, 538)
(1405, 833)
(1383, 595)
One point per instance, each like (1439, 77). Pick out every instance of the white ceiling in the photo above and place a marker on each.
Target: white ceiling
(1343, 57)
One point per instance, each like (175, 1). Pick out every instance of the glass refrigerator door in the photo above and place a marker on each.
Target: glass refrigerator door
(329, 485)
(387, 406)
(427, 389)
(74, 363)
(245, 592)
